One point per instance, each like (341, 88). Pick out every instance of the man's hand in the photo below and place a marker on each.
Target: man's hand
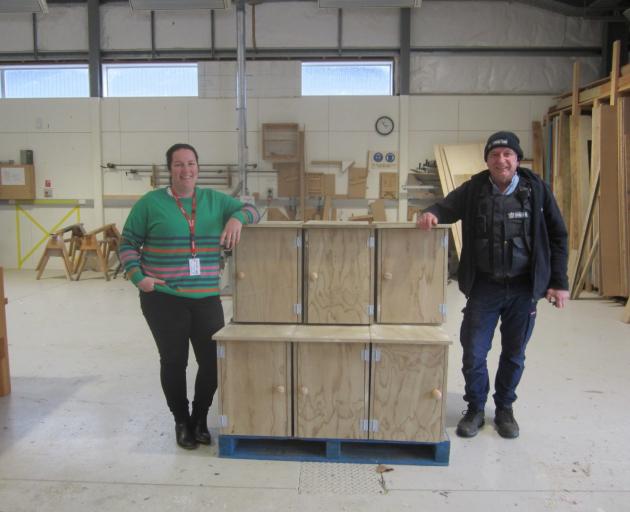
(231, 233)
(426, 221)
(148, 284)
(558, 298)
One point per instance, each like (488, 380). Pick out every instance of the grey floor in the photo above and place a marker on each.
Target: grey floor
(86, 428)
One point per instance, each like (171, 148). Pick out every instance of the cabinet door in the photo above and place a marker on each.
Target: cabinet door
(331, 390)
(267, 284)
(407, 394)
(255, 389)
(411, 281)
(339, 276)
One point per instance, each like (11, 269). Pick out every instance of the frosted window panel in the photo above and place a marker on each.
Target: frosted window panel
(150, 80)
(346, 79)
(45, 82)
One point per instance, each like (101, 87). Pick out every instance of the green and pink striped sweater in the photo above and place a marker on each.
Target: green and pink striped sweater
(156, 240)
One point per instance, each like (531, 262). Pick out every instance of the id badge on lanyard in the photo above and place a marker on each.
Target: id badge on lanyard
(194, 263)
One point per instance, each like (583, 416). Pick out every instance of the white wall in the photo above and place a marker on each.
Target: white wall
(69, 136)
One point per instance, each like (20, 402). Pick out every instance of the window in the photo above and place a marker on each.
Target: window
(125, 80)
(347, 78)
(54, 81)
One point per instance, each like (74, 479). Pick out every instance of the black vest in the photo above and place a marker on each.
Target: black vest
(503, 230)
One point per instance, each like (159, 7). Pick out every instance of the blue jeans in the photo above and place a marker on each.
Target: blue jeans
(514, 305)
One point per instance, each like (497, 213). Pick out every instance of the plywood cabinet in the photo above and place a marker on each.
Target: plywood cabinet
(267, 274)
(331, 374)
(339, 273)
(255, 380)
(408, 385)
(412, 270)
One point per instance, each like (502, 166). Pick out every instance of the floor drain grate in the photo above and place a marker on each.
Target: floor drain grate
(332, 478)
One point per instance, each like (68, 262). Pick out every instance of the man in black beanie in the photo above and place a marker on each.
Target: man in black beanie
(514, 252)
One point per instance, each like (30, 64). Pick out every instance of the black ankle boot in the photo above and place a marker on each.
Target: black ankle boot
(200, 431)
(185, 436)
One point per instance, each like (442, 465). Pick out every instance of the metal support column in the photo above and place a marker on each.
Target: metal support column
(241, 93)
(94, 49)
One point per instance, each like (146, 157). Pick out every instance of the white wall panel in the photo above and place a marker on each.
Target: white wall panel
(498, 113)
(360, 113)
(16, 32)
(371, 28)
(225, 28)
(154, 114)
(124, 29)
(421, 144)
(498, 24)
(310, 112)
(219, 114)
(111, 147)
(189, 29)
(110, 114)
(63, 28)
(222, 147)
(295, 24)
(149, 147)
(317, 148)
(433, 113)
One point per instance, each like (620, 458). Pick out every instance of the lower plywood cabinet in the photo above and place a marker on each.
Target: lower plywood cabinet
(376, 382)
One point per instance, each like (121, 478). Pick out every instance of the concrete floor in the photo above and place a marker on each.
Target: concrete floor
(86, 427)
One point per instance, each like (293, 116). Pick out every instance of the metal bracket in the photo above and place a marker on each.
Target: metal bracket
(442, 309)
(297, 309)
(445, 241)
(376, 354)
(373, 425)
(220, 352)
(371, 242)
(370, 309)
(223, 421)
(364, 425)
(298, 241)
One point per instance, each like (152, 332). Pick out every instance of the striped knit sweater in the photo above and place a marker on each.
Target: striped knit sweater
(156, 240)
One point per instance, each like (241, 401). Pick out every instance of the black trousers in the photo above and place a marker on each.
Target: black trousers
(174, 321)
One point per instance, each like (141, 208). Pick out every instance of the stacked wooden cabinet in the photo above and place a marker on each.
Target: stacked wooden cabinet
(335, 350)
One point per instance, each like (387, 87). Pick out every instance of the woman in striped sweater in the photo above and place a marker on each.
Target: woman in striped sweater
(171, 250)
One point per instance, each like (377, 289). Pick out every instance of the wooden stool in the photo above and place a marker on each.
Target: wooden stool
(101, 249)
(56, 246)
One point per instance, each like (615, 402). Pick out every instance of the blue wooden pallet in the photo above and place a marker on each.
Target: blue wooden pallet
(335, 450)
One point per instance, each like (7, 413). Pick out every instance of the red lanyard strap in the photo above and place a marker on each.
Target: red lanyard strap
(190, 219)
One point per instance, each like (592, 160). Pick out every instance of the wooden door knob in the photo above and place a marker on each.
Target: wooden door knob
(240, 275)
(304, 390)
(436, 393)
(280, 389)
(313, 276)
(387, 275)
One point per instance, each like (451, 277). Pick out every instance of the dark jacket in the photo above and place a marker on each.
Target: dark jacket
(549, 233)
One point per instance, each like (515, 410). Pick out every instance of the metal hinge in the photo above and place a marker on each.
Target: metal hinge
(373, 425)
(445, 241)
(220, 352)
(298, 241)
(442, 309)
(376, 354)
(371, 242)
(364, 425)
(365, 354)
(370, 309)
(223, 421)
(297, 309)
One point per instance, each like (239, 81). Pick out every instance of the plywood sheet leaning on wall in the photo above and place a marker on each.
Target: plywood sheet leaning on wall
(5, 381)
(624, 191)
(457, 163)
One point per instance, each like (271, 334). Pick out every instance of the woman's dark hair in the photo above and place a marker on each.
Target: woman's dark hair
(177, 147)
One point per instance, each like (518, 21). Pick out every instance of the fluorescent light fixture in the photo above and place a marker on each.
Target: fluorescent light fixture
(344, 4)
(178, 5)
(7, 6)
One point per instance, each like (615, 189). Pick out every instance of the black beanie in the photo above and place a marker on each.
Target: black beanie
(503, 140)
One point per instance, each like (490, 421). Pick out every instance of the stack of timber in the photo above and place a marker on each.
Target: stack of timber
(594, 195)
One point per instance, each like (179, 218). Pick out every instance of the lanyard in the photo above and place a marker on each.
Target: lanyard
(190, 219)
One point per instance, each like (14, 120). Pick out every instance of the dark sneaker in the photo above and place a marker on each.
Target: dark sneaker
(505, 422)
(470, 424)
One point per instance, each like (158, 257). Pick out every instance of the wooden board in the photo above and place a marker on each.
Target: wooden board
(17, 181)
(605, 141)
(409, 334)
(408, 392)
(267, 275)
(5, 377)
(255, 388)
(388, 185)
(255, 332)
(332, 333)
(412, 272)
(315, 184)
(288, 179)
(280, 142)
(377, 210)
(538, 145)
(357, 182)
(330, 403)
(338, 274)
